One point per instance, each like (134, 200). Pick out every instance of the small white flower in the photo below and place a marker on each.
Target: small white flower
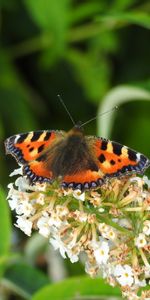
(62, 211)
(25, 208)
(146, 180)
(111, 234)
(83, 217)
(42, 224)
(72, 244)
(24, 224)
(102, 253)
(10, 185)
(67, 192)
(13, 203)
(138, 180)
(58, 244)
(124, 223)
(40, 199)
(130, 295)
(79, 195)
(91, 269)
(80, 216)
(101, 209)
(103, 227)
(54, 220)
(107, 231)
(23, 184)
(73, 254)
(147, 271)
(124, 275)
(140, 283)
(146, 227)
(41, 187)
(107, 270)
(18, 171)
(140, 241)
(12, 192)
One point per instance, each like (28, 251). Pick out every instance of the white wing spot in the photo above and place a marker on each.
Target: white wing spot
(16, 138)
(138, 155)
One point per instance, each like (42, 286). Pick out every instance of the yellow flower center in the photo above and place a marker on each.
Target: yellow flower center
(102, 252)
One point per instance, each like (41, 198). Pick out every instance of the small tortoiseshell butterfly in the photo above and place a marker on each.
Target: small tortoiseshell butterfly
(78, 161)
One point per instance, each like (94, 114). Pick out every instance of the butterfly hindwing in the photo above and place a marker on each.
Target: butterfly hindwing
(83, 180)
(37, 171)
(115, 159)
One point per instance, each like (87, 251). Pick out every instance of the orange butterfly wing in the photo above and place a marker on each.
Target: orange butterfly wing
(28, 147)
(102, 158)
(115, 159)
(112, 159)
(83, 180)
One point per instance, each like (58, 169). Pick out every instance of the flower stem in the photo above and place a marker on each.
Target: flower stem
(144, 258)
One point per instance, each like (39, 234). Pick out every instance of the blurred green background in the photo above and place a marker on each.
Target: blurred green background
(95, 54)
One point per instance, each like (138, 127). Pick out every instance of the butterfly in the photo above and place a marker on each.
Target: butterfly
(77, 161)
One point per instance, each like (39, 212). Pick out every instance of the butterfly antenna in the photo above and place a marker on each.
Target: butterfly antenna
(104, 113)
(65, 107)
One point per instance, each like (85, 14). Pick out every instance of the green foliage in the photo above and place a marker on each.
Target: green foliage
(46, 15)
(24, 280)
(84, 11)
(15, 98)
(76, 287)
(5, 231)
(94, 77)
(134, 17)
(94, 53)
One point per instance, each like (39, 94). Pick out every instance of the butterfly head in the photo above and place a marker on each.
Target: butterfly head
(78, 127)
(77, 130)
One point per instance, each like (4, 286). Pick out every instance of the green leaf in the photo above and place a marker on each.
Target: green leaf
(48, 14)
(84, 11)
(77, 286)
(24, 280)
(121, 5)
(16, 105)
(91, 71)
(5, 231)
(116, 97)
(134, 17)
(52, 18)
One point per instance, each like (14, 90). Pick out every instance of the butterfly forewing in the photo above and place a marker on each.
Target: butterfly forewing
(28, 147)
(115, 159)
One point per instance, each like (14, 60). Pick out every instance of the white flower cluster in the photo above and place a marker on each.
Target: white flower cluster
(116, 247)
